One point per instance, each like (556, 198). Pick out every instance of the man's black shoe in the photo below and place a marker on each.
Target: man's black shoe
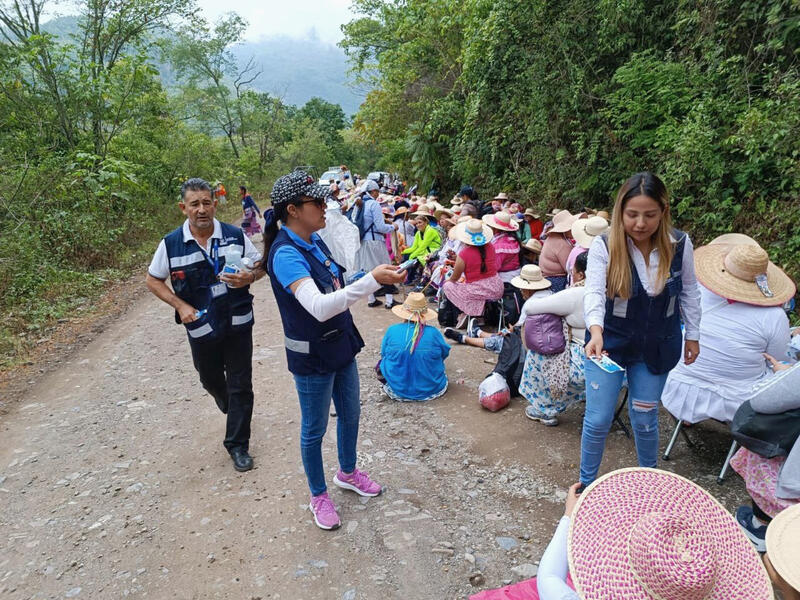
(374, 303)
(242, 461)
(222, 404)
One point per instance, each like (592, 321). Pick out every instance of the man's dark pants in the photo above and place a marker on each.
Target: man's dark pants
(226, 372)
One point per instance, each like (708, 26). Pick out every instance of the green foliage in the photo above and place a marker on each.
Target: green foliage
(559, 101)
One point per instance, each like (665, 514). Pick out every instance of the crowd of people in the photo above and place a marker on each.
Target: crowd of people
(606, 303)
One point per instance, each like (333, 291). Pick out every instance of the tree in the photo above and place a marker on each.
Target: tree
(328, 117)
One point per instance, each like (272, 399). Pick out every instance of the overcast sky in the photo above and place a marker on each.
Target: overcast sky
(295, 18)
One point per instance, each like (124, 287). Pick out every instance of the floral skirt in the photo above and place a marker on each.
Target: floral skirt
(470, 298)
(761, 479)
(250, 223)
(536, 390)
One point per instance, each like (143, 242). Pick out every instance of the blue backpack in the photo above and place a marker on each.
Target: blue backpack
(359, 222)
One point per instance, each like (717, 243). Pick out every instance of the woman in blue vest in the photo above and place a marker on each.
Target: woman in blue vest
(320, 337)
(639, 280)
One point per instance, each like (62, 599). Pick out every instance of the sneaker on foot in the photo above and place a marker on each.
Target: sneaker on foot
(359, 482)
(454, 335)
(542, 418)
(756, 532)
(374, 303)
(325, 515)
(473, 330)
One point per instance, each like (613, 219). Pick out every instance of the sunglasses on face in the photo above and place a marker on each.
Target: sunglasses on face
(317, 201)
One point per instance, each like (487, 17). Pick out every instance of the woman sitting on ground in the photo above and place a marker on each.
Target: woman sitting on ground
(506, 244)
(740, 321)
(477, 263)
(555, 250)
(413, 353)
(426, 241)
(773, 483)
(553, 383)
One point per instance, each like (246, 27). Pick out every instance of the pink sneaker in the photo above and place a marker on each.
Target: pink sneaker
(359, 482)
(324, 512)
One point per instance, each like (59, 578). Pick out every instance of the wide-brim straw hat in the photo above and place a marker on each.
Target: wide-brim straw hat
(742, 273)
(533, 245)
(443, 211)
(784, 551)
(400, 211)
(604, 214)
(553, 212)
(423, 211)
(471, 232)
(646, 534)
(414, 308)
(501, 220)
(732, 239)
(456, 201)
(530, 278)
(529, 212)
(585, 230)
(562, 221)
(501, 196)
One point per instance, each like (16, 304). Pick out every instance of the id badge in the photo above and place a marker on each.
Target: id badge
(218, 289)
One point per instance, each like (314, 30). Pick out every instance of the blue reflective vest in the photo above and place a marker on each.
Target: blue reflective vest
(194, 281)
(313, 347)
(645, 328)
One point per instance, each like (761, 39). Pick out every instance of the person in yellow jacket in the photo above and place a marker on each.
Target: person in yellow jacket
(426, 241)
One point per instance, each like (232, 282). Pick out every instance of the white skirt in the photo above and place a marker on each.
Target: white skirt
(371, 254)
(694, 403)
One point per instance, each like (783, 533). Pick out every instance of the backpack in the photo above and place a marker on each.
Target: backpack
(447, 312)
(544, 334)
(359, 222)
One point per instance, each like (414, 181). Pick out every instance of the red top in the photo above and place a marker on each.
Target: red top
(536, 228)
(472, 263)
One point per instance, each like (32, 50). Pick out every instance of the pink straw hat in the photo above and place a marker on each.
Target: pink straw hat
(646, 534)
(501, 220)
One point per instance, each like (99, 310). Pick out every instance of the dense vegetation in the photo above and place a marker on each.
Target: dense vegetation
(559, 101)
(93, 147)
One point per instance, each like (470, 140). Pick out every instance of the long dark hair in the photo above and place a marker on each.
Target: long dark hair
(482, 252)
(278, 213)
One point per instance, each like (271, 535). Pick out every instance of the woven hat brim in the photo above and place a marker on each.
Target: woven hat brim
(524, 284)
(566, 226)
(709, 266)
(784, 551)
(459, 233)
(492, 222)
(407, 315)
(606, 513)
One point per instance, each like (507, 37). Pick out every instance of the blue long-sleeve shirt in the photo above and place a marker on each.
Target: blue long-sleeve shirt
(416, 376)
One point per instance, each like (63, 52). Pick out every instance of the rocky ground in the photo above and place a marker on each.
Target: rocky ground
(114, 482)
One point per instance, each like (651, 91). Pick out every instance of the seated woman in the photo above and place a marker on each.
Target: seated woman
(530, 252)
(556, 248)
(413, 353)
(426, 241)
(553, 383)
(531, 284)
(773, 483)
(506, 244)
(477, 263)
(741, 320)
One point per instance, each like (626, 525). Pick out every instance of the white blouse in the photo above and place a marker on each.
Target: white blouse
(594, 302)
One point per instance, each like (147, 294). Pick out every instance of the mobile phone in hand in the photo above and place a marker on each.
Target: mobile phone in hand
(406, 265)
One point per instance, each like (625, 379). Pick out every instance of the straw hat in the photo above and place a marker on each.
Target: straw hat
(553, 212)
(414, 308)
(784, 553)
(423, 211)
(734, 238)
(585, 230)
(533, 245)
(529, 212)
(502, 196)
(456, 201)
(604, 214)
(400, 211)
(742, 273)
(471, 232)
(646, 534)
(443, 211)
(530, 278)
(562, 221)
(501, 220)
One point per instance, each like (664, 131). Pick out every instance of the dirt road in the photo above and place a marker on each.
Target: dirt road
(114, 482)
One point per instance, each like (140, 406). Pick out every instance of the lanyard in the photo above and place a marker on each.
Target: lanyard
(214, 259)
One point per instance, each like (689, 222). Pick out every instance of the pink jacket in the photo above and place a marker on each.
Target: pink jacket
(507, 249)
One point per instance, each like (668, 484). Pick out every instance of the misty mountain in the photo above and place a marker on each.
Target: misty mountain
(294, 70)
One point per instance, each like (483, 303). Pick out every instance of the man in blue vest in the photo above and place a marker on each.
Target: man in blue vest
(215, 307)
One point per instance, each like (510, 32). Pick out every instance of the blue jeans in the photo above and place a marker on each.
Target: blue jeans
(315, 393)
(602, 392)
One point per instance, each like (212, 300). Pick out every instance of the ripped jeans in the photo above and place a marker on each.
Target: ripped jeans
(602, 392)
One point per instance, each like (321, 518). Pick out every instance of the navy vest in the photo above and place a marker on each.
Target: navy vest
(193, 279)
(313, 347)
(645, 328)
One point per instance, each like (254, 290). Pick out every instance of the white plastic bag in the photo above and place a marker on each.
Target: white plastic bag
(342, 238)
(493, 392)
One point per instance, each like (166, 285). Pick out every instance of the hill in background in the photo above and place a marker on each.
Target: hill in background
(294, 70)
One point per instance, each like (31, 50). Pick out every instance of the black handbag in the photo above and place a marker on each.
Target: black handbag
(766, 435)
